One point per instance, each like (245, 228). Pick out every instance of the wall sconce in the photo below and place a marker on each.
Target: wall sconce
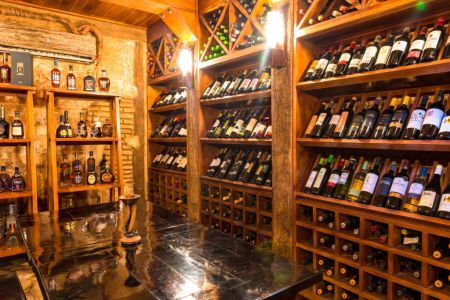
(275, 38)
(185, 60)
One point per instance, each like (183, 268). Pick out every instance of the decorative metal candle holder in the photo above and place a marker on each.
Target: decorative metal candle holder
(131, 237)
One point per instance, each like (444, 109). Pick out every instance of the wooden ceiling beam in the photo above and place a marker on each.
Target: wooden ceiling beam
(177, 22)
(155, 6)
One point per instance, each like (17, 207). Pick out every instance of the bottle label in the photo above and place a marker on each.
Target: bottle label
(322, 64)
(370, 119)
(445, 125)
(433, 117)
(216, 123)
(433, 39)
(341, 123)
(416, 119)
(345, 57)
(245, 84)
(320, 119)
(414, 53)
(251, 124)
(385, 186)
(417, 45)
(312, 67)
(354, 63)
(399, 187)
(91, 179)
(415, 189)
(410, 240)
(319, 178)
(331, 68)
(334, 178)
(56, 78)
(335, 119)
(445, 203)
(182, 132)
(77, 179)
(183, 163)
(370, 183)
(343, 178)
(370, 53)
(427, 199)
(89, 85)
(4, 74)
(355, 188)
(71, 83)
(254, 83)
(157, 158)
(400, 46)
(17, 131)
(383, 55)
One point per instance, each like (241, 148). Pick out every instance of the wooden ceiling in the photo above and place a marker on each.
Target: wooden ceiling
(141, 13)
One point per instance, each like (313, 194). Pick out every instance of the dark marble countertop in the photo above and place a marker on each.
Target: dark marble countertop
(77, 255)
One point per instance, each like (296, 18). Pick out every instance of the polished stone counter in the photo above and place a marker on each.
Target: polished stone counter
(77, 255)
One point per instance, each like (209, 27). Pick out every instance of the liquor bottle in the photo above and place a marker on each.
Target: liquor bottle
(395, 128)
(313, 120)
(71, 80)
(107, 130)
(322, 177)
(398, 190)
(61, 131)
(345, 120)
(17, 127)
(385, 186)
(385, 120)
(89, 82)
(322, 121)
(64, 174)
(91, 174)
(17, 181)
(322, 64)
(370, 55)
(5, 179)
(444, 205)
(370, 182)
(429, 200)
(345, 180)
(415, 191)
(344, 59)
(446, 53)
(357, 122)
(355, 62)
(415, 122)
(67, 124)
(55, 75)
(77, 175)
(82, 130)
(444, 131)
(330, 71)
(415, 51)
(433, 42)
(433, 118)
(103, 82)
(385, 52)
(5, 70)
(312, 66)
(107, 177)
(355, 187)
(370, 119)
(333, 179)
(332, 124)
(313, 175)
(4, 125)
(401, 45)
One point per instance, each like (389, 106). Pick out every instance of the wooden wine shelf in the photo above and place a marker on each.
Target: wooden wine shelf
(238, 183)
(341, 84)
(370, 144)
(261, 95)
(6, 252)
(170, 140)
(14, 142)
(178, 173)
(85, 187)
(224, 141)
(165, 79)
(235, 58)
(82, 94)
(168, 108)
(84, 141)
(20, 89)
(15, 195)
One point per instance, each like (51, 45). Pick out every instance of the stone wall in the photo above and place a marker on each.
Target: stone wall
(124, 52)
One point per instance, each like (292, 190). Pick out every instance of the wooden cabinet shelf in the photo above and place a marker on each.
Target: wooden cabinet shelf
(235, 58)
(6, 252)
(169, 140)
(81, 94)
(165, 79)
(178, 173)
(168, 108)
(238, 183)
(15, 195)
(20, 89)
(370, 144)
(85, 141)
(14, 142)
(257, 96)
(86, 187)
(224, 141)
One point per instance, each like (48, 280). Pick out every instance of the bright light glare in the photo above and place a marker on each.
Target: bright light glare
(185, 61)
(275, 29)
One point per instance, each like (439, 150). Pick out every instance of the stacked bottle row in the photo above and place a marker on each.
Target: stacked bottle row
(242, 165)
(241, 82)
(171, 158)
(398, 121)
(332, 9)
(15, 183)
(403, 185)
(96, 130)
(394, 50)
(170, 96)
(168, 191)
(244, 214)
(242, 123)
(172, 126)
(15, 130)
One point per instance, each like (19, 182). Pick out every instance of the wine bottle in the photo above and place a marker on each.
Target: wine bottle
(415, 51)
(262, 174)
(429, 200)
(344, 59)
(370, 119)
(240, 123)
(249, 170)
(322, 176)
(370, 182)
(333, 179)
(385, 51)
(345, 119)
(313, 120)
(446, 53)
(312, 176)
(224, 87)
(395, 128)
(238, 165)
(355, 62)
(357, 122)
(415, 191)
(224, 168)
(385, 120)
(322, 64)
(370, 55)
(385, 186)
(433, 42)
(253, 121)
(246, 82)
(433, 118)
(211, 90)
(326, 218)
(344, 180)
(334, 121)
(398, 190)
(444, 131)
(442, 249)
(216, 162)
(309, 75)
(442, 279)
(322, 121)
(399, 49)
(357, 183)
(330, 71)
(444, 206)
(416, 120)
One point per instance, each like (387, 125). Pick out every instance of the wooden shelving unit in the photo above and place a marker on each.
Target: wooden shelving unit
(414, 81)
(54, 97)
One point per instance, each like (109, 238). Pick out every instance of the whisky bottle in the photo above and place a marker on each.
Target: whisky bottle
(5, 179)
(370, 182)
(61, 131)
(385, 186)
(89, 82)
(107, 130)
(77, 175)
(4, 125)
(55, 75)
(398, 190)
(64, 173)
(17, 181)
(415, 191)
(91, 174)
(82, 130)
(5, 70)
(17, 127)
(96, 130)
(429, 200)
(67, 124)
(104, 82)
(71, 80)
(107, 176)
